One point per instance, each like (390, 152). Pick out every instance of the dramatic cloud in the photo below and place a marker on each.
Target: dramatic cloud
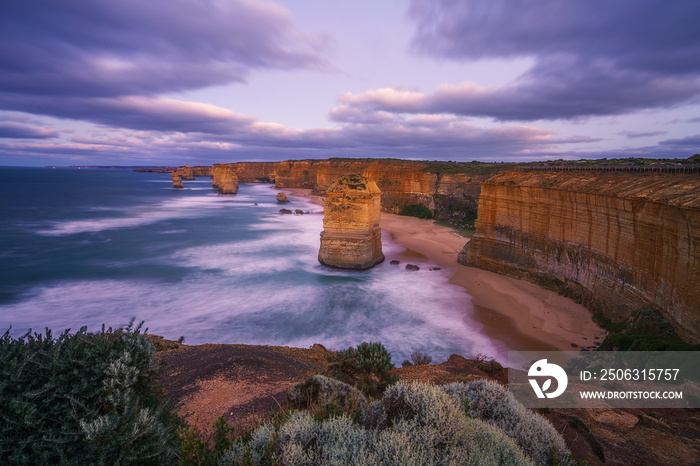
(642, 134)
(591, 58)
(54, 56)
(16, 130)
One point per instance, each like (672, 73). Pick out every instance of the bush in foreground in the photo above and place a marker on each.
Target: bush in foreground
(365, 367)
(490, 402)
(412, 424)
(83, 398)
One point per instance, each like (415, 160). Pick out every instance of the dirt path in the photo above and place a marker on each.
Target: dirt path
(243, 383)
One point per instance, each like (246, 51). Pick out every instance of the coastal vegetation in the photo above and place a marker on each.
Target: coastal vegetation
(94, 398)
(645, 330)
(84, 398)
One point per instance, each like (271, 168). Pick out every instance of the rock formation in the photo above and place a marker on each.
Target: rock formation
(282, 198)
(177, 182)
(228, 182)
(351, 236)
(614, 241)
(186, 172)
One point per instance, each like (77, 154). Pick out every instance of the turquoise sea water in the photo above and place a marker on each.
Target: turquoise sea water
(92, 247)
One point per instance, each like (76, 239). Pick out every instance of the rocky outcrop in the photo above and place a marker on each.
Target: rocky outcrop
(614, 241)
(297, 174)
(282, 198)
(186, 172)
(228, 181)
(246, 172)
(351, 236)
(177, 182)
(450, 192)
(202, 170)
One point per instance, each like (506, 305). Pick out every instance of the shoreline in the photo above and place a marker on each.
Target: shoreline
(519, 314)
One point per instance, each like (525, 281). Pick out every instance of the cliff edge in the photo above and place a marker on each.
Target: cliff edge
(614, 241)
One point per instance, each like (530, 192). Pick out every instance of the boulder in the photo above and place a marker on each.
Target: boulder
(282, 198)
(284, 211)
(412, 267)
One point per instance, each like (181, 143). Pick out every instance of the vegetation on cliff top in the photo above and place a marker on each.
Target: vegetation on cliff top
(83, 398)
(645, 330)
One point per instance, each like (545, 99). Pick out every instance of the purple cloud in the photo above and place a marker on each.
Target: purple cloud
(641, 134)
(16, 130)
(57, 56)
(592, 58)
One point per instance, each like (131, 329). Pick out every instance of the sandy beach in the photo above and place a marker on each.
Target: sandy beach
(522, 315)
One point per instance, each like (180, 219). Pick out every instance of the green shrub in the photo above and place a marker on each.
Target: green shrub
(418, 358)
(416, 210)
(332, 395)
(83, 398)
(418, 424)
(491, 367)
(366, 367)
(490, 402)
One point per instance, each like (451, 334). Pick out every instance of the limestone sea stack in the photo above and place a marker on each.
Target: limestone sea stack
(186, 172)
(228, 181)
(177, 182)
(282, 198)
(351, 237)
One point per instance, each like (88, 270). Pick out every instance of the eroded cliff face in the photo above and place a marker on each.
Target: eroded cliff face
(186, 172)
(201, 170)
(351, 236)
(452, 197)
(227, 182)
(246, 172)
(296, 174)
(614, 241)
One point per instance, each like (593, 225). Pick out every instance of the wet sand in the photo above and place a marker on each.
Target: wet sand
(520, 314)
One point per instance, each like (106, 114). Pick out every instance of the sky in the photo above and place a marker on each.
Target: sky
(169, 82)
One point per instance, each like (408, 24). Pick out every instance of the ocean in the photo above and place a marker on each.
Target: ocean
(87, 247)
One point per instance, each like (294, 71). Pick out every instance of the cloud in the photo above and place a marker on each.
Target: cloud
(691, 143)
(15, 130)
(73, 59)
(641, 134)
(592, 58)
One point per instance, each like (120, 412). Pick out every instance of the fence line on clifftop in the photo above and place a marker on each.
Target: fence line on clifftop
(627, 168)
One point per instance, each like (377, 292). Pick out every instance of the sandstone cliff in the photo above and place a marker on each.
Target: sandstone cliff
(228, 181)
(201, 170)
(177, 182)
(615, 241)
(450, 196)
(246, 172)
(186, 172)
(351, 236)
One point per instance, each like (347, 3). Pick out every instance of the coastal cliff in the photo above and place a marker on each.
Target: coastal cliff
(227, 182)
(450, 196)
(614, 241)
(246, 172)
(186, 172)
(351, 237)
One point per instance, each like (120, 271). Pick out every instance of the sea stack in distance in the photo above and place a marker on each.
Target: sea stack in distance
(186, 172)
(177, 182)
(228, 181)
(351, 237)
